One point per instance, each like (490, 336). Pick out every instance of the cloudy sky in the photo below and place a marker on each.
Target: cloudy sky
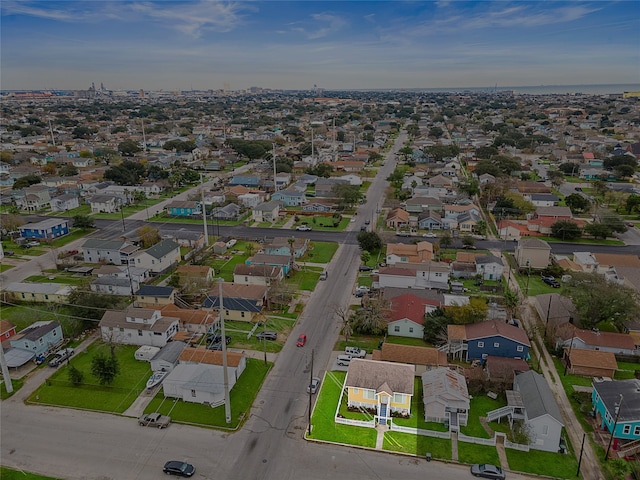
(208, 44)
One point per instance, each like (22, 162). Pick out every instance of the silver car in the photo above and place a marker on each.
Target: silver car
(313, 386)
(487, 471)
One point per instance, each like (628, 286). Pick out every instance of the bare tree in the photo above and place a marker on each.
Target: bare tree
(344, 314)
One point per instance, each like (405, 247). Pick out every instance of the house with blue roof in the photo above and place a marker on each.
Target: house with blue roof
(621, 398)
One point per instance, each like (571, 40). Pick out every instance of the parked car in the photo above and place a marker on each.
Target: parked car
(217, 338)
(367, 222)
(469, 247)
(365, 268)
(154, 420)
(9, 253)
(631, 224)
(182, 469)
(303, 228)
(324, 275)
(355, 352)
(60, 356)
(429, 235)
(313, 386)
(343, 360)
(487, 471)
(33, 243)
(267, 335)
(302, 339)
(551, 281)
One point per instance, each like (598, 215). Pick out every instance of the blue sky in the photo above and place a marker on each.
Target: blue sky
(206, 44)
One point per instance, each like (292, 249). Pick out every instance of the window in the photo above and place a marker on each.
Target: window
(480, 344)
(496, 344)
(398, 398)
(545, 429)
(193, 393)
(356, 391)
(242, 314)
(139, 333)
(520, 348)
(410, 329)
(121, 329)
(438, 274)
(23, 295)
(369, 394)
(636, 430)
(46, 297)
(396, 328)
(626, 429)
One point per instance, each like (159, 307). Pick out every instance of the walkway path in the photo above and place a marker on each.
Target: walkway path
(590, 468)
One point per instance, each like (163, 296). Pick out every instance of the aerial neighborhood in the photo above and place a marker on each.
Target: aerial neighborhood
(470, 260)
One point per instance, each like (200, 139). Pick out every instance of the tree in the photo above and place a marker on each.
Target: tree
(577, 203)
(68, 171)
(148, 235)
(321, 170)
(127, 173)
(472, 312)
(598, 300)
(83, 222)
(569, 168)
(556, 177)
(374, 157)
(624, 171)
(632, 203)
(486, 152)
(129, 147)
(435, 326)
(347, 194)
(413, 130)
(468, 241)
(365, 256)
(406, 152)
(436, 132)
(105, 368)
(446, 240)
(511, 301)
(371, 319)
(50, 168)
(369, 241)
(471, 187)
(614, 222)
(10, 222)
(597, 230)
(481, 227)
(344, 314)
(76, 377)
(26, 181)
(566, 230)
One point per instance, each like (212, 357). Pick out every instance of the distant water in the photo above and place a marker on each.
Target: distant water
(549, 89)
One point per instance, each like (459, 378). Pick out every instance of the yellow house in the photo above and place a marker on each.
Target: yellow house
(39, 292)
(381, 387)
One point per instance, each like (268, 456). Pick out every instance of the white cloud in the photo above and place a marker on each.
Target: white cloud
(332, 23)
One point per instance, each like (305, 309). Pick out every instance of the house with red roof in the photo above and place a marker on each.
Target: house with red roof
(407, 315)
(572, 337)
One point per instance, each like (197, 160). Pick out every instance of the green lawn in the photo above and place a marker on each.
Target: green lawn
(10, 474)
(224, 267)
(556, 465)
(626, 371)
(4, 267)
(479, 406)
(322, 420)
(367, 343)
(16, 383)
(414, 342)
(127, 385)
(474, 453)
(24, 315)
(418, 445)
(59, 277)
(241, 396)
(238, 332)
(74, 234)
(320, 252)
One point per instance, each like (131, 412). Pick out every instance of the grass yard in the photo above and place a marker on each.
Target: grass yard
(16, 383)
(127, 385)
(320, 252)
(474, 453)
(24, 315)
(10, 474)
(323, 426)
(64, 278)
(4, 267)
(414, 342)
(556, 465)
(224, 266)
(479, 406)
(417, 445)
(627, 371)
(238, 332)
(367, 343)
(242, 396)
(536, 285)
(74, 234)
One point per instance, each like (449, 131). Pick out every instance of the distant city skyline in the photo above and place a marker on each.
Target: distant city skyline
(335, 45)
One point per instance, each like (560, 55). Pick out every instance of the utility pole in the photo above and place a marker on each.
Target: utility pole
(223, 340)
(310, 393)
(546, 325)
(5, 372)
(613, 431)
(273, 155)
(204, 214)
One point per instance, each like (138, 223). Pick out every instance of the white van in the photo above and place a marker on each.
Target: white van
(323, 275)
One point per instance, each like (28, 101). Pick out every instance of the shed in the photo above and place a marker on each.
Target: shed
(146, 352)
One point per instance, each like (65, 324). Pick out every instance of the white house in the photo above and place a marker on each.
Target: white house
(489, 267)
(104, 204)
(160, 257)
(137, 326)
(415, 275)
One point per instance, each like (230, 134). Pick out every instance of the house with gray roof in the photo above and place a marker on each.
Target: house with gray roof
(489, 267)
(266, 211)
(228, 212)
(160, 257)
(39, 338)
(541, 412)
(167, 357)
(290, 197)
(39, 292)
(117, 252)
(446, 398)
(137, 326)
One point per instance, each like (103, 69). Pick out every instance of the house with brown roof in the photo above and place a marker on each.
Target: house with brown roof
(409, 253)
(257, 274)
(380, 387)
(502, 370)
(191, 320)
(397, 219)
(618, 343)
(590, 363)
(200, 274)
(423, 358)
(137, 326)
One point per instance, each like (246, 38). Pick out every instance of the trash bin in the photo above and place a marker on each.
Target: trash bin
(428, 456)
